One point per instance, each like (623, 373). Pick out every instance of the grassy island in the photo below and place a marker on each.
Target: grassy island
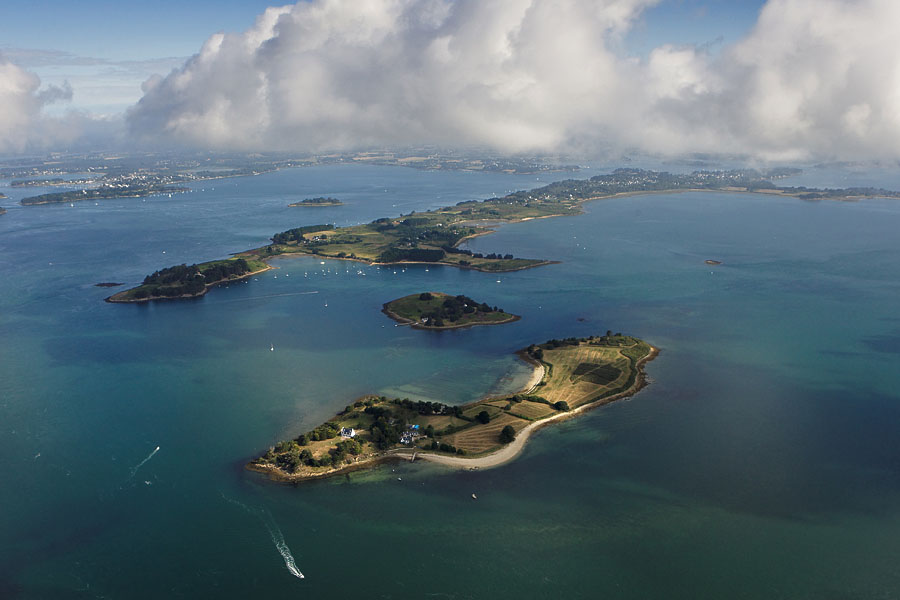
(103, 192)
(434, 236)
(436, 310)
(183, 281)
(318, 202)
(572, 375)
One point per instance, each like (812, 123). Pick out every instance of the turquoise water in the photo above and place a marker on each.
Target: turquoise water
(761, 463)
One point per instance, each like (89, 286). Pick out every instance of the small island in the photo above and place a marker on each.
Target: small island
(318, 202)
(108, 284)
(571, 376)
(183, 281)
(436, 310)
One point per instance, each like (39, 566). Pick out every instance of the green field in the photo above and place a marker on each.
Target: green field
(577, 372)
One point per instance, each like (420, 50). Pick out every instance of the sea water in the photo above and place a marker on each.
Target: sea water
(762, 462)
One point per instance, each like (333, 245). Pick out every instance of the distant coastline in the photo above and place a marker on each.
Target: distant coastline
(102, 193)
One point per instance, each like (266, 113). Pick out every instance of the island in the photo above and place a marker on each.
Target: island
(318, 202)
(108, 284)
(571, 376)
(2, 211)
(183, 281)
(103, 192)
(436, 310)
(434, 237)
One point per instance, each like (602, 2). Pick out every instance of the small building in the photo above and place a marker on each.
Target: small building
(348, 432)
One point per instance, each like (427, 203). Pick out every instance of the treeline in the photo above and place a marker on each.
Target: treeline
(410, 254)
(296, 234)
(423, 407)
(492, 255)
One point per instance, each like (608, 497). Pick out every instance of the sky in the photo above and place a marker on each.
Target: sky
(779, 80)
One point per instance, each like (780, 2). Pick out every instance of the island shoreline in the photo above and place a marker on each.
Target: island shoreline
(493, 459)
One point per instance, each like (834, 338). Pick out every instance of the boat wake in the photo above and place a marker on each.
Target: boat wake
(275, 533)
(143, 462)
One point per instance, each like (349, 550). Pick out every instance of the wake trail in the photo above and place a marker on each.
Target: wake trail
(269, 296)
(274, 532)
(143, 462)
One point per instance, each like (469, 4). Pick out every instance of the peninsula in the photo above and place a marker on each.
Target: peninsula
(318, 202)
(436, 310)
(183, 281)
(434, 236)
(571, 376)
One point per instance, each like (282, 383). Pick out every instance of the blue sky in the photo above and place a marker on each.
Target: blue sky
(106, 49)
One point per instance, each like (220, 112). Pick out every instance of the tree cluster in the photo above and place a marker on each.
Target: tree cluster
(411, 254)
(507, 434)
(296, 234)
(454, 307)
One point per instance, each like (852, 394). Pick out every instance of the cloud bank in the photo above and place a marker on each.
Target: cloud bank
(25, 127)
(811, 80)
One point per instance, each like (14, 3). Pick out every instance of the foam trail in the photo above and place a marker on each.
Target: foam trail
(275, 533)
(282, 546)
(143, 462)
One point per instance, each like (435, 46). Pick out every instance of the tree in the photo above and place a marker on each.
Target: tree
(561, 405)
(507, 434)
(425, 296)
(483, 417)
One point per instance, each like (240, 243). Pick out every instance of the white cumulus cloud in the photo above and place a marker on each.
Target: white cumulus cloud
(812, 79)
(25, 127)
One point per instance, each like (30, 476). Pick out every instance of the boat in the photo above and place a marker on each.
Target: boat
(474, 497)
(272, 349)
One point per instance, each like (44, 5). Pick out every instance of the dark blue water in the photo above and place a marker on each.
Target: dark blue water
(762, 463)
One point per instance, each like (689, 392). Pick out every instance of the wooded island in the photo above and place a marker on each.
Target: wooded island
(436, 310)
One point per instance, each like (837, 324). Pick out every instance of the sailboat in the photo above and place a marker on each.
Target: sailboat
(272, 349)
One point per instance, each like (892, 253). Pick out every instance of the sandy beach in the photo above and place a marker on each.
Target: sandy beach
(511, 450)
